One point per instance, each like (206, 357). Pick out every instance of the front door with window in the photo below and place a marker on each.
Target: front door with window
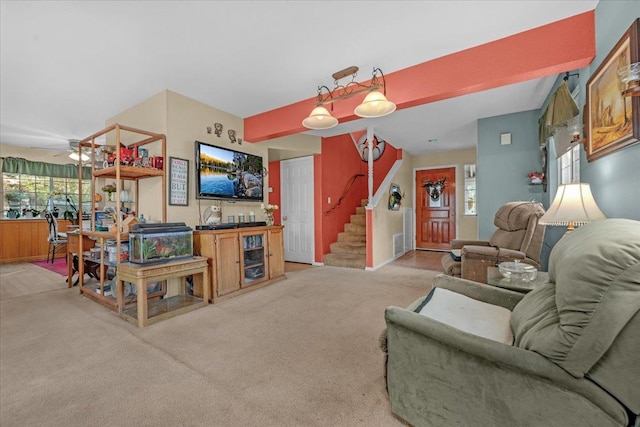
(435, 208)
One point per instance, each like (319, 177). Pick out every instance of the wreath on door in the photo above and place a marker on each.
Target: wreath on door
(435, 188)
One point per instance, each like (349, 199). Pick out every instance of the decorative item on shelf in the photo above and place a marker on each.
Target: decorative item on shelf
(109, 189)
(212, 215)
(97, 198)
(124, 196)
(268, 210)
(536, 177)
(157, 162)
(375, 104)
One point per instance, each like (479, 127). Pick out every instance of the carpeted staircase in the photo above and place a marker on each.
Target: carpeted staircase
(350, 249)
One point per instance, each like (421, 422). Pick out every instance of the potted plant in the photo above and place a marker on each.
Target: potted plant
(13, 213)
(71, 216)
(13, 198)
(536, 177)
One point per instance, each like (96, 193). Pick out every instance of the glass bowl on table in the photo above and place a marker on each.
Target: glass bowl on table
(516, 270)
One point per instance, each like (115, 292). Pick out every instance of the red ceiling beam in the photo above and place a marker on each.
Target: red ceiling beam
(554, 48)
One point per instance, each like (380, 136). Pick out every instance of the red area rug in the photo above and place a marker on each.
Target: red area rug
(59, 266)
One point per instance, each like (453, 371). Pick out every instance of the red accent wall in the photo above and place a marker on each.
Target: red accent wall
(550, 49)
(340, 161)
(274, 197)
(334, 168)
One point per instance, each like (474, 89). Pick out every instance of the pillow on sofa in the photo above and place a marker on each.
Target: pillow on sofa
(594, 291)
(467, 314)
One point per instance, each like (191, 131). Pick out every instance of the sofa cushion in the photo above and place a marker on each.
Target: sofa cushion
(594, 291)
(467, 314)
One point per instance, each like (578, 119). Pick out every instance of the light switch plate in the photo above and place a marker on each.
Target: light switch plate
(505, 138)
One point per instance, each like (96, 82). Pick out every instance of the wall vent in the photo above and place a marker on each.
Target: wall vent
(407, 227)
(398, 244)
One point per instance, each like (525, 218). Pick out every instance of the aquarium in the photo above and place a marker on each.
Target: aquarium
(154, 243)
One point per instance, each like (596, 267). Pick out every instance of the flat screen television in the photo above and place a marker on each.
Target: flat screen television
(226, 174)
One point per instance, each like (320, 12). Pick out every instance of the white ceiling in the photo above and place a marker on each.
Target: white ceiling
(67, 66)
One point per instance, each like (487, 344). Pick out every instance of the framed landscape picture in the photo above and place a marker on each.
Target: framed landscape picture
(612, 121)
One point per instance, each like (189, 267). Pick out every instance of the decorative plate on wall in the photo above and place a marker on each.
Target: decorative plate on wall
(363, 147)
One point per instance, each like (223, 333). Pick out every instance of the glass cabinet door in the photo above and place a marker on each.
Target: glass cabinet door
(253, 259)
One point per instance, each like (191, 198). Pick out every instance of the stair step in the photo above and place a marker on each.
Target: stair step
(360, 210)
(352, 237)
(358, 248)
(345, 260)
(358, 219)
(355, 228)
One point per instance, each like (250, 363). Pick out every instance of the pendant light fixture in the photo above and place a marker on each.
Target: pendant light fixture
(320, 118)
(375, 104)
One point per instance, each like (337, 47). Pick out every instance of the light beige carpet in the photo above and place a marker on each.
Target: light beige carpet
(301, 352)
(22, 279)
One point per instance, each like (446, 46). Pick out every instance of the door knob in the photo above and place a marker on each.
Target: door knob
(284, 218)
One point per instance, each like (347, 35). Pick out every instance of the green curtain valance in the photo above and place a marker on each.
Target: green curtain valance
(560, 110)
(27, 167)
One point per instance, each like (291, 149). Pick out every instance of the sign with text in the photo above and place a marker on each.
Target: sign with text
(178, 181)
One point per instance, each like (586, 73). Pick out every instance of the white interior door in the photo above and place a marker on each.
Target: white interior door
(296, 177)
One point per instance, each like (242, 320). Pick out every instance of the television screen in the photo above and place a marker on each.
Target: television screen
(223, 173)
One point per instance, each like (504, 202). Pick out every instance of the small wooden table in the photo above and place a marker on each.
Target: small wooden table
(165, 308)
(73, 247)
(495, 278)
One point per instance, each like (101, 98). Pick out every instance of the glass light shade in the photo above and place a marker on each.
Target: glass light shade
(75, 156)
(573, 205)
(629, 75)
(320, 118)
(375, 104)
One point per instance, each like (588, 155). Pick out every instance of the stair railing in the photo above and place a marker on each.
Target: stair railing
(347, 187)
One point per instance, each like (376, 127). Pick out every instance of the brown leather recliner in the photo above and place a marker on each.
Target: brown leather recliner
(519, 236)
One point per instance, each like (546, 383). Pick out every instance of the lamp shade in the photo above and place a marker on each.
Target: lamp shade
(375, 104)
(573, 205)
(320, 118)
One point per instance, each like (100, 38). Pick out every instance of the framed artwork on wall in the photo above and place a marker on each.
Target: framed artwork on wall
(612, 121)
(178, 181)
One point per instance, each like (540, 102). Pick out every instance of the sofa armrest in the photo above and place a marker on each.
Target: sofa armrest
(476, 260)
(440, 375)
(459, 243)
(478, 291)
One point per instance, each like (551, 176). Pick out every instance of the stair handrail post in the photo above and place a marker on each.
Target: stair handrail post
(370, 165)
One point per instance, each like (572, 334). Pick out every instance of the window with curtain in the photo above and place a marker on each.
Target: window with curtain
(37, 186)
(569, 166)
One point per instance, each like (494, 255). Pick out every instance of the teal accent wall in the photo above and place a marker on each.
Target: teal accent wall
(614, 178)
(502, 169)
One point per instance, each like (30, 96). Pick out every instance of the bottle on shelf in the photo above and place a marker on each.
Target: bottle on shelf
(141, 219)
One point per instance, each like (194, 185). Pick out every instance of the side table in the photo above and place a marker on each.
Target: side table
(495, 278)
(147, 312)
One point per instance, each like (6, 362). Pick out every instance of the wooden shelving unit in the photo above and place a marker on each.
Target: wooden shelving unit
(240, 259)
(115, 136)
